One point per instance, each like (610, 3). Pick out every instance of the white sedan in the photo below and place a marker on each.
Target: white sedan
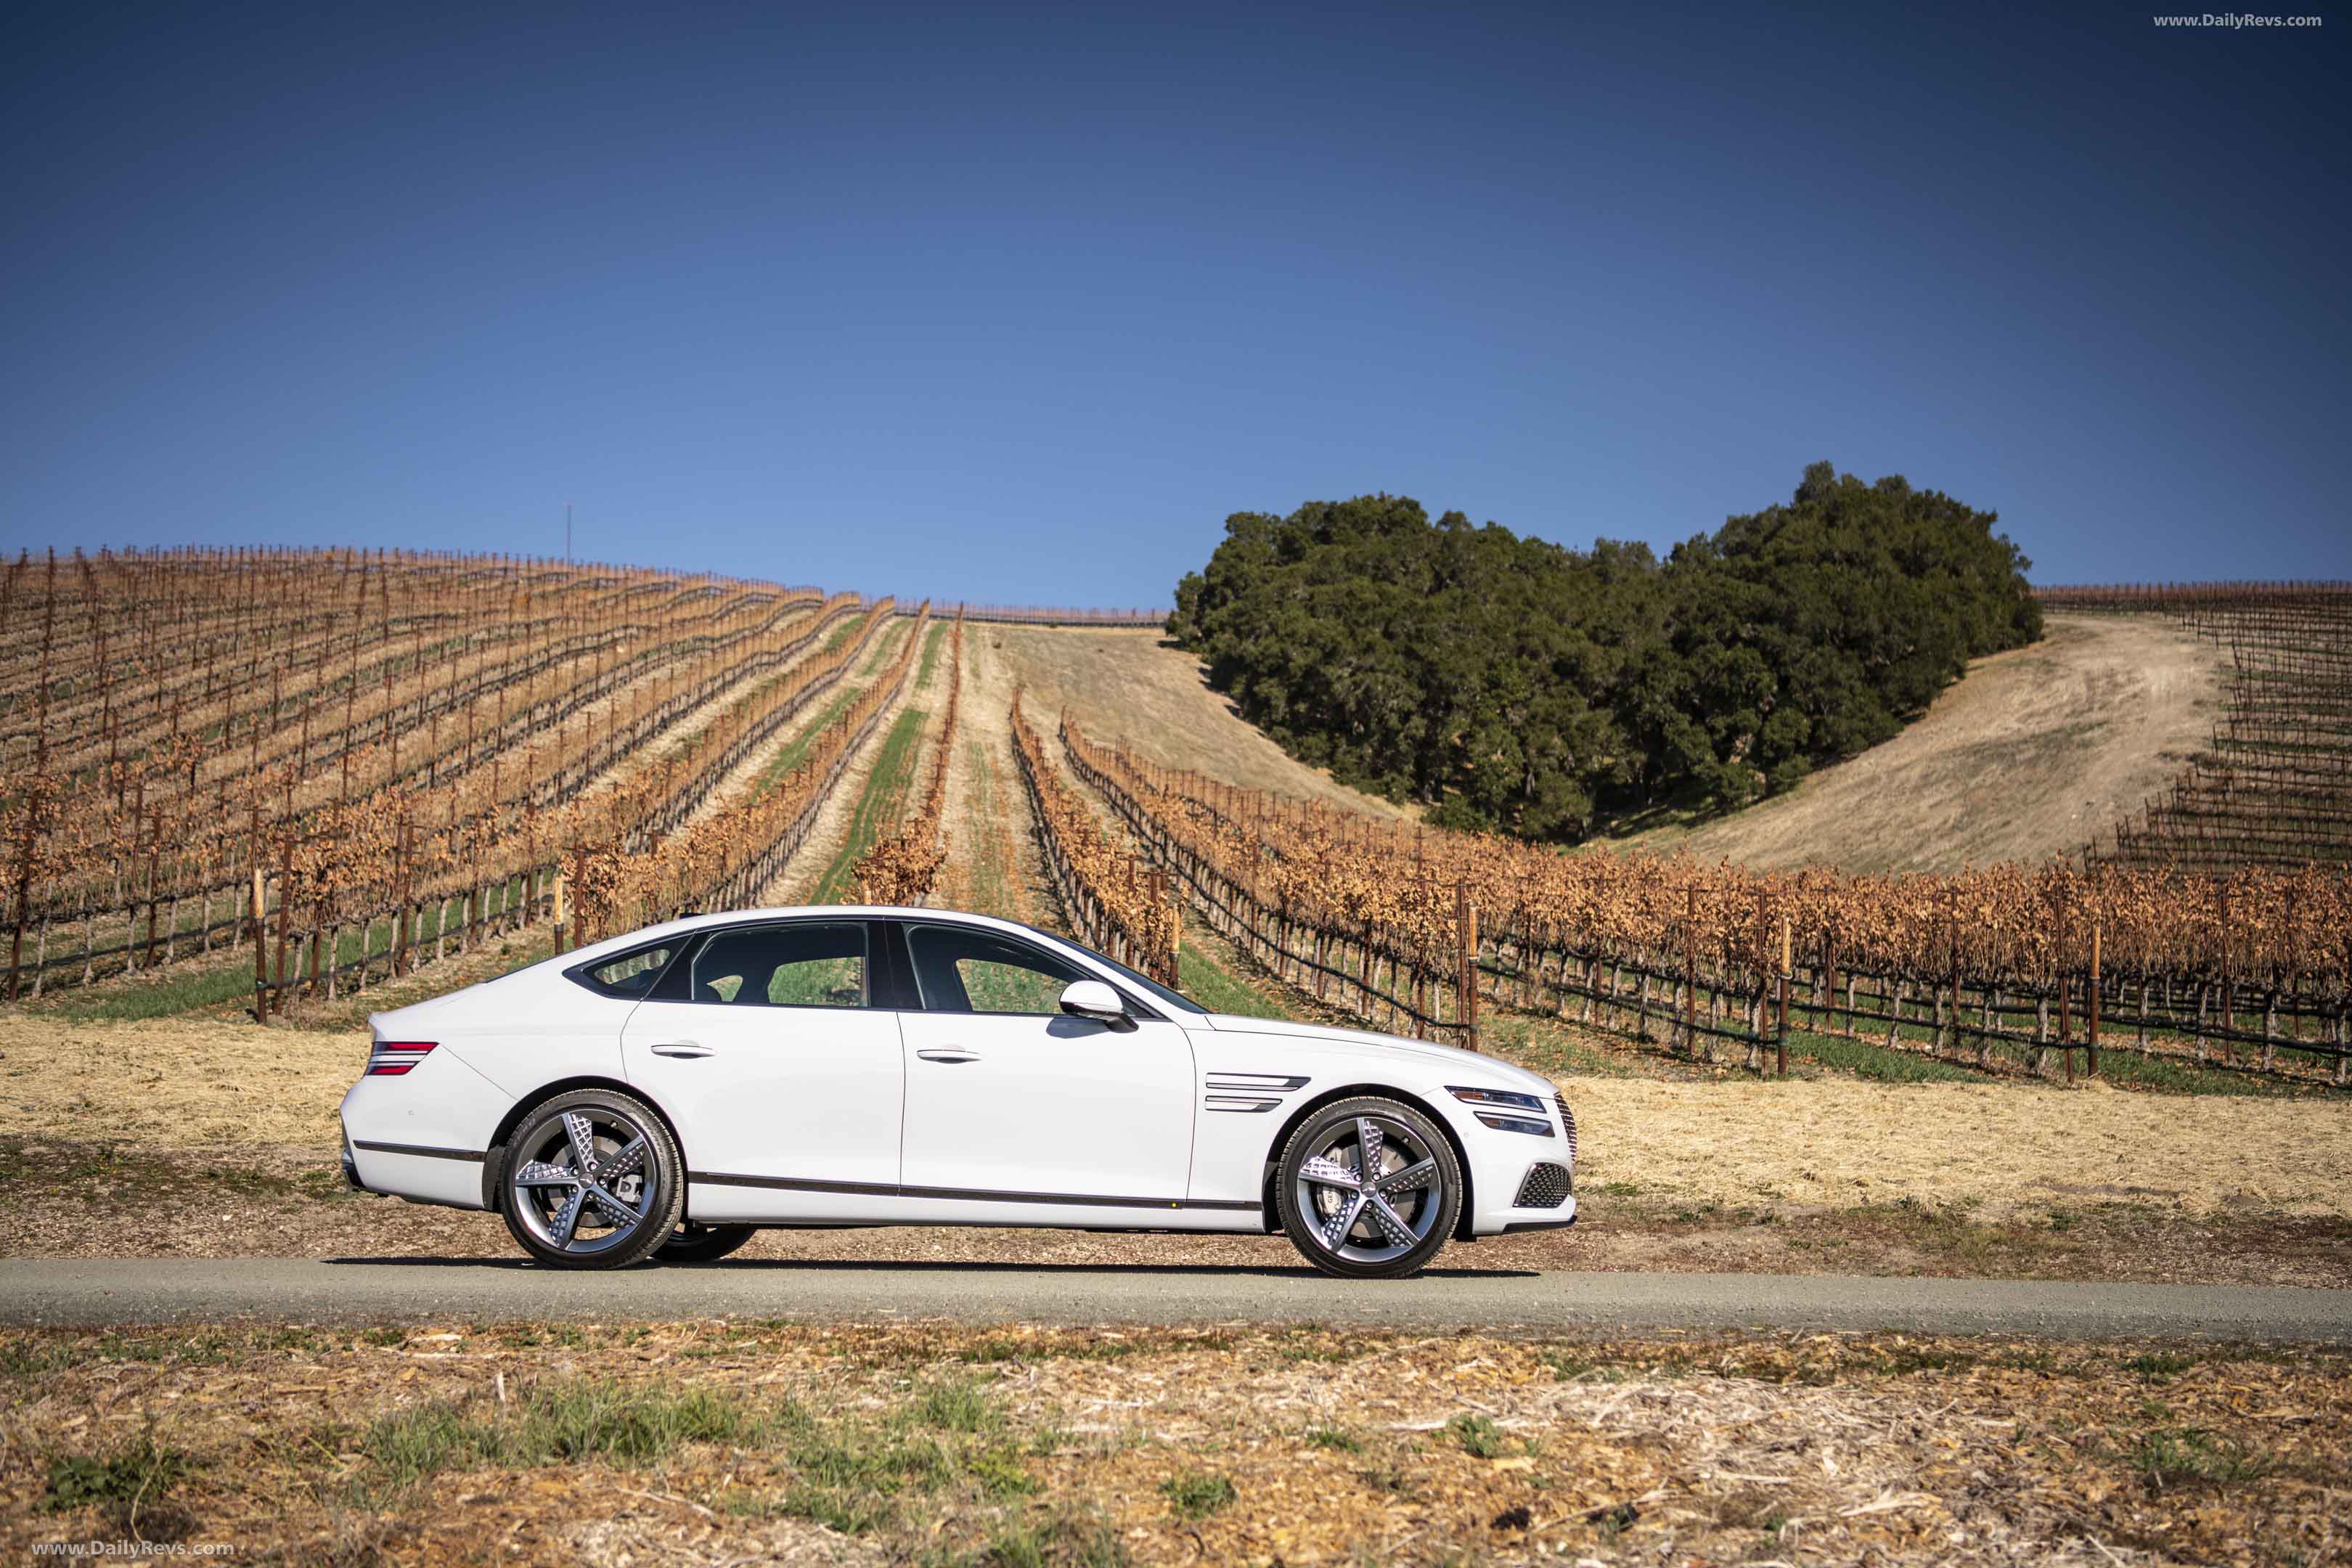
(666, 1093)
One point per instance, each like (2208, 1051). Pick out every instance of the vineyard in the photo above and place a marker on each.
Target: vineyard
(1408, 927)
(356, 763)
(387, 754)
(1110, 902)
(900, 869)
(2276, 788)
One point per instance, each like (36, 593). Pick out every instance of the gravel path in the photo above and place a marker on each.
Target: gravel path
(154, 1290)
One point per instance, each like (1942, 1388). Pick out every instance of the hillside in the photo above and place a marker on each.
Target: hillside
(481, 759)
(2035, 752)
(1138, 686)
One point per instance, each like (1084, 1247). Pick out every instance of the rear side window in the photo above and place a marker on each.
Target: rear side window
(631, 975)
(808, 963)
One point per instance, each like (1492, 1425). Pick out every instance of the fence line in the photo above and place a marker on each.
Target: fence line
(1718, 968)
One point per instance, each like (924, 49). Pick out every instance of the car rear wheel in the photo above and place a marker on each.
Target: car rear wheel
(692, 1243)
(594, 1180)
(1368, 1189)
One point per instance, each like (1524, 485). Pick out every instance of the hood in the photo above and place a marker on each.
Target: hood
(1488, 1069)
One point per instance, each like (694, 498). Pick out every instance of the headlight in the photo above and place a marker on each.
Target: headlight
(1515, 1125)
(1497, 1097)
(1505, 1101)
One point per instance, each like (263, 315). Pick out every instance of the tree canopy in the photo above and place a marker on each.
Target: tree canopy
(1513, 684)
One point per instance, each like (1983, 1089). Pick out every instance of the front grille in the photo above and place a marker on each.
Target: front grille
(1567, 1124)
(1546, 1187)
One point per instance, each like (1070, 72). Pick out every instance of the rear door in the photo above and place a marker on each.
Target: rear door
(1008, 1097)
(767, 1049)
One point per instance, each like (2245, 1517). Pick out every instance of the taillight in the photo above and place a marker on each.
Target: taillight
(389, 1058)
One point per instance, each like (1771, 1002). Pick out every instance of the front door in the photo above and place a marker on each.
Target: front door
(1007, 1097)
(775, 1065)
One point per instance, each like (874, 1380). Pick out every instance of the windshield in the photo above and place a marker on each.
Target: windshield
(1176, 999)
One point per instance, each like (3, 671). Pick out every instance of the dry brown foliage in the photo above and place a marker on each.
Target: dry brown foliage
(1215, 1444)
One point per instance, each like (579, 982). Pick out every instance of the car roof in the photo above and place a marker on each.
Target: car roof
(687, 925)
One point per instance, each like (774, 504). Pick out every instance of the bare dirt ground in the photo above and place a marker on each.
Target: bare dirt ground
(740, 1442)
(1132, 683)
(992, 866)
(2034, 753)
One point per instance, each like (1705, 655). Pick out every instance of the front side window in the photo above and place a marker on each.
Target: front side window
(961, 970)
(632, 974)
(804, 964)
(1175, 999)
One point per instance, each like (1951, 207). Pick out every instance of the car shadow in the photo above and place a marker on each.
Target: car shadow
(878, 1265)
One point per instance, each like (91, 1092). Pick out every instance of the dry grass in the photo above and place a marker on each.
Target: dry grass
(748, 1442)
(175, 1083)
(2002, 1147)
(1135, 684)
(2034, 753)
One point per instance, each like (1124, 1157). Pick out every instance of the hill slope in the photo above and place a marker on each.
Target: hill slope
(1138, 686)
(2034, 753)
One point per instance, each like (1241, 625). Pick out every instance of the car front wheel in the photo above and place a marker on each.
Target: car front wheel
(594, 1180)
(1370, 1189)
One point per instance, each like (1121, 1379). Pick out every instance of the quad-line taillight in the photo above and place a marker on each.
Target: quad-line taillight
(389, 1058)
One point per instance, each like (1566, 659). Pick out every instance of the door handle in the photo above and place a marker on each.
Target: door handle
(953, 1054)
(682, 1048)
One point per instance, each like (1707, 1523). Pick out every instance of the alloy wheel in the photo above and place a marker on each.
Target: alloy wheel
(1372, 1192)
(583, 1185)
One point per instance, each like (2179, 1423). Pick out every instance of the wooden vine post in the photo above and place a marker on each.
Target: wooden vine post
(260, 954)
(1465, 934)
(1690, 970)
(1788, 964)
(1763, 983)
(1952, 959)
(2092, 1040)
(285, 915)
(2065, 988)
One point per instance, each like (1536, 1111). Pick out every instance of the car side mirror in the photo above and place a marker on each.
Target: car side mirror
(1095, 1000)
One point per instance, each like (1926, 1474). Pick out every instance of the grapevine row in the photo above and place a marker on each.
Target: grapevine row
(1111, 904)
(900, 869)
(619, 865)
(1374, 914)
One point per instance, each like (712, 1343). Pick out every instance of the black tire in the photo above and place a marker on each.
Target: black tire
(653, 1189)
(692, 1243)
(1428, 1211)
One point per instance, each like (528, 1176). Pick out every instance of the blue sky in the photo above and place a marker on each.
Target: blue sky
(1020, 305)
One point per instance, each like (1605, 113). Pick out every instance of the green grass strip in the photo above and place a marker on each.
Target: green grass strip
(1214, 988)
(229, 977)
(877, 805)
(930, 653)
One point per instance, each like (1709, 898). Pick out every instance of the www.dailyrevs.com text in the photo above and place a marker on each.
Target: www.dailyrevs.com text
(104, 1549)
(2237, 19)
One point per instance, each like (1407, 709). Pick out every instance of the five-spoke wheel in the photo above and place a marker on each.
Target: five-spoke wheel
(1368, 1189)
(593, 1181)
